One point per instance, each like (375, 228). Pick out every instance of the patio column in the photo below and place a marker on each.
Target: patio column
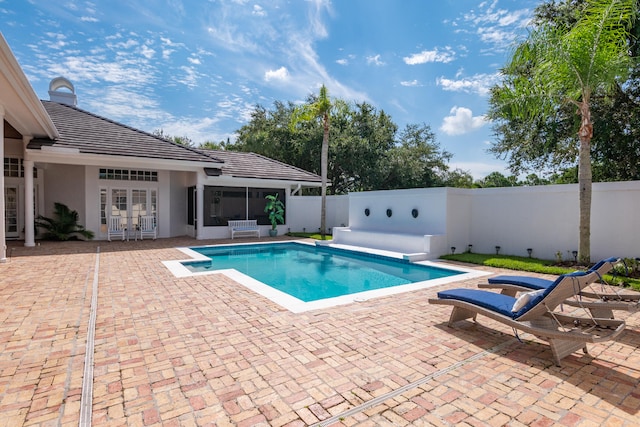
(29, 228)
(199, 209)
(3, 239)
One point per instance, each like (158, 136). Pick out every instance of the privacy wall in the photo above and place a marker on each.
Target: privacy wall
(541, 218)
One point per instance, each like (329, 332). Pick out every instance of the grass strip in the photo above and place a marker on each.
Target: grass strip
(315, 236)
(534, 265)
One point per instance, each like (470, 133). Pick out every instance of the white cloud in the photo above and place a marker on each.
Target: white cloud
(124, 105)
(280, 74)
(147, 52)
(167, 41)
(375, 60)
(411, 83)
(495, 26)
(58, 41)
(194, 61)
(342, 61)
(230, 38)
(258, 10)
(197, 129)
(435, 55)
(461, 121)
(88, 19)
(123, 45)
(190, 77)
(479, 83)
(166, 53)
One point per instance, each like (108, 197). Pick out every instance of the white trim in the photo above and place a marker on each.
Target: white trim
(29, 218)
(103, 160)
(25, 95)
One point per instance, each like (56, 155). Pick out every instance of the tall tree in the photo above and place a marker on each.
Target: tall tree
(320, 108)
(416, 160)
(496, 179)
(182, 140)
(360, 138)
(558, 66)
(366, 150)
(551, 145)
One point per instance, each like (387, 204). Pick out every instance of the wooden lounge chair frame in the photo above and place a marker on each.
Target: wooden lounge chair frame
(564, 333)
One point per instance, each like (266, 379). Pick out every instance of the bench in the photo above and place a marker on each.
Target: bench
(429, 245)
(245, 226)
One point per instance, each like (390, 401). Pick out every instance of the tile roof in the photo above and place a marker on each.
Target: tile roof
(92, 134)
(251, 165)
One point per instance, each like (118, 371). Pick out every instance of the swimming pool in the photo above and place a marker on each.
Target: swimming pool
(302, 276)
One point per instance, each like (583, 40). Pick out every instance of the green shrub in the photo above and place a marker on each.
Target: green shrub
(64, 225)
(618, 276)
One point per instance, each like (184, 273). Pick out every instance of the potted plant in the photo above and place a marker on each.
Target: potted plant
(275, 209)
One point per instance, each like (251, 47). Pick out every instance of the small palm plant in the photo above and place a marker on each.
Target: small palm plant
(64, 225)
(275, 210)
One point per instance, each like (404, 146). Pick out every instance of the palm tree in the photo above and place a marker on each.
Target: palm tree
(557, 66)
(64, 226)
(320, 108)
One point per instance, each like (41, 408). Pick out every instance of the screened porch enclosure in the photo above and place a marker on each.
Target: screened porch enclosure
(222, 204)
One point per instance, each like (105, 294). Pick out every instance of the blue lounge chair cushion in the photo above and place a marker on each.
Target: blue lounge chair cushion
(542, 295)
(601, 263)
(490, 300)
(501, 303)
(533, 283)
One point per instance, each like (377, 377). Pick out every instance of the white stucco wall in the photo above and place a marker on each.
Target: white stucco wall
(543, 218)
(459, 213)
(303, 212)
(430, 203)
(176, 205)
(65, 184)
(615, 224)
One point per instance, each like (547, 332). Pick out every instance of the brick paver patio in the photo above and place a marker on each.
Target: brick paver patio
(206, 351)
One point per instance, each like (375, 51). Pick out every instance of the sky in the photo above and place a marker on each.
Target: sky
(198, 68)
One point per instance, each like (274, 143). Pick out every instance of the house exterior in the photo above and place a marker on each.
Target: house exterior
(57, 152)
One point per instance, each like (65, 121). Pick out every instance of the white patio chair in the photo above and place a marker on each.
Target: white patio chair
(115, 228)
(147, 227)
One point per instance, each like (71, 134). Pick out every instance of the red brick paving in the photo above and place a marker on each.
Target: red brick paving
(205, 351)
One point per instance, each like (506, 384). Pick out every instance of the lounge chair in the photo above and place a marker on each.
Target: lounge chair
(601, 303)
(534, 313)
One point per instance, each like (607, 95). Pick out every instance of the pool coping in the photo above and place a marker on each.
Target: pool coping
(296, 305)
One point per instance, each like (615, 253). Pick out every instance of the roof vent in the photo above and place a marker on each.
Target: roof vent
(67, 96)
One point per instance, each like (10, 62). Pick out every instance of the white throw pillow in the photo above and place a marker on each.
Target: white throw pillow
(524, 299)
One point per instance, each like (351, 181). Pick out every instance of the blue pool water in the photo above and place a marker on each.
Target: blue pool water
(312, 273)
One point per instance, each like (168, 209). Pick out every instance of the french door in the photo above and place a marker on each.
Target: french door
(11, 228)
(129, 204)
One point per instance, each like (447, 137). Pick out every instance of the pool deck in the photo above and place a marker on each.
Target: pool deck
(204, 351)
